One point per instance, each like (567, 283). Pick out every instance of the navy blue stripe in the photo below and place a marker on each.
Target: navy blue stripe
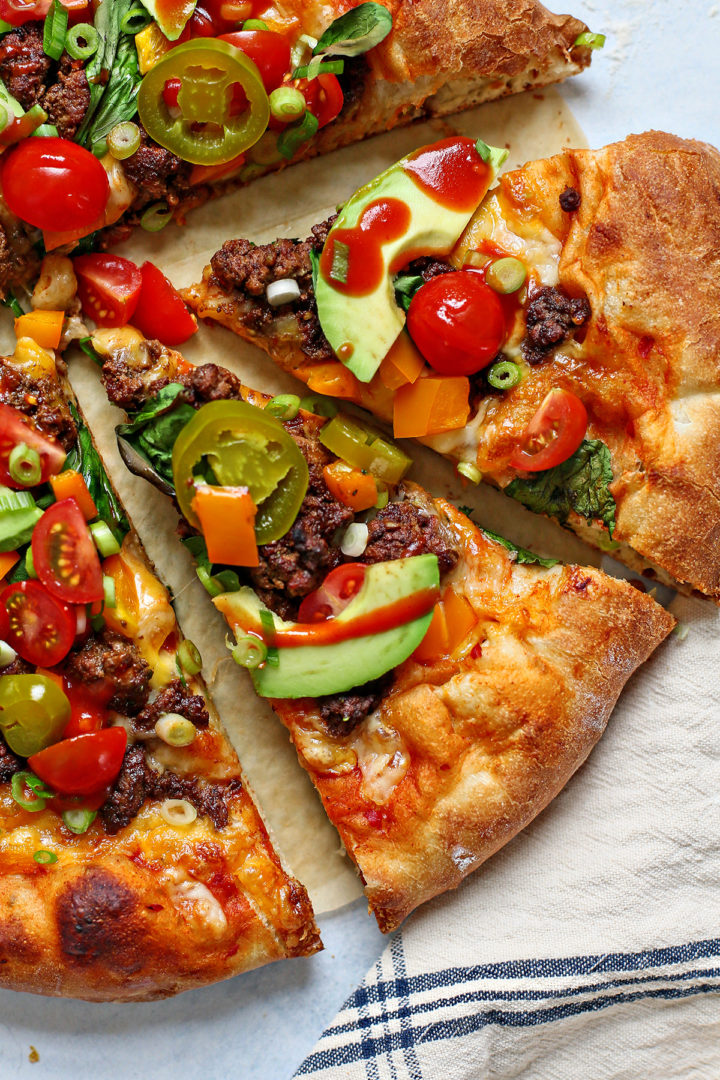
(553, 967)
(416, 1008)
(465, 1025)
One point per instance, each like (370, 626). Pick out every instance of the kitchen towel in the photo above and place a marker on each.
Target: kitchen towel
(589, 947)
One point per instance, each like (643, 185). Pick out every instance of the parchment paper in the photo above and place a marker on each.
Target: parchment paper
(288, 203)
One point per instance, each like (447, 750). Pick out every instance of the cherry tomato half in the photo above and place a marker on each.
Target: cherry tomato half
(457, 322)
(65, 557)
(270, 52)
(335, 593)
(161, 311)
(323, 97)
(36, 624)
(109, 288)
(18, 12)
(15, 429)
(51, 180)
(554, 433)
(83, 764)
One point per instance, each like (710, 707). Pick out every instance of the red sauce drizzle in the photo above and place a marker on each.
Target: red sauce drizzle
(380, 222)
(332, 631)
(451, 172)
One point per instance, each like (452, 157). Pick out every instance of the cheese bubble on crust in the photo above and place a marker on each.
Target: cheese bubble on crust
(196, 901)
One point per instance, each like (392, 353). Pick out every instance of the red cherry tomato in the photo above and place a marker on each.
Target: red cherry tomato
(83, 764)
(17, 12)
(457, 323)
(200, 24)
(15, 429)
(270, 52)
(171, 92)
(65, 557)
(335, 593)
(554, 433)
(36, 624)
(53, 183)
(161, 312)
(323, 97)
(109, 288)
(88, 707)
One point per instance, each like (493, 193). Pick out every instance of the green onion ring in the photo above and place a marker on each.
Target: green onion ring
(55, 30)
(136, 19)
(590, 40)
(123, 140)
(189, 658)
(109, 591)
(156, 217)
(44, 857)
(284, 406)
(24, 465)
(294, 136)
(504, 375)
(79, 33)
(78, 821)
(249, 651)
(25, 779)
(287, 103)
(105, 542)
(255, 24)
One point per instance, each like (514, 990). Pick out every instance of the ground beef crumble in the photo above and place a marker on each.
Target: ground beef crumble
(110, 657)
(341, 713)
(551, 317)
(138, 781)
(174, 698)
(41, 400)
(403, 529)
(570, 200)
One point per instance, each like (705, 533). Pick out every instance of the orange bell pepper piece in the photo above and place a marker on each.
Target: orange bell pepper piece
(435, 643)
(334, 380)
(453, 619)
(44, 327)
(352, 487)
(431, 405)
(7, 561)
(71, 485)
(227, 519)
(402, 364)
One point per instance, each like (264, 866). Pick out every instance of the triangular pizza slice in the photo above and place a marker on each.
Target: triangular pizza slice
(133, 861)
(440, 686)
(560, 341)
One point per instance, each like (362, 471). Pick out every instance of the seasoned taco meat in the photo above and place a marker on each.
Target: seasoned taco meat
(67, 100)
(174, 698)
(110, 657)
(24, 67)
(403, 529)
(551, 317)
(341, 713)
(42, 401)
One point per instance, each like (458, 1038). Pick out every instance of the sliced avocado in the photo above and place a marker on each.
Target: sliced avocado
(313, 670)
(366, 326)
(171, 15)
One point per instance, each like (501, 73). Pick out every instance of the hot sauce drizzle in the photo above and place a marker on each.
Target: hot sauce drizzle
(451, 172)
(380, 222)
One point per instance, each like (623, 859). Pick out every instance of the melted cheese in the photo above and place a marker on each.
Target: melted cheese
(529, 241)
(196, 901)
(381, 757)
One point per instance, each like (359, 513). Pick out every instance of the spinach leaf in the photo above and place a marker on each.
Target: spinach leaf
(85, 459)
(579, 484)
(152, 431)
(19, 571)
(406, 285)
(522, 555)
(356, 31)
(112, 74)
(315, 266)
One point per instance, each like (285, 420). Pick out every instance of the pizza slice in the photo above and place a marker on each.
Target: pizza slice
(561, 344)
(152, 109)
(133, 862)
(440, 686)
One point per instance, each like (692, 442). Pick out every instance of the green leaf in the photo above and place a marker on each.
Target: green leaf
(580, 484)
(315, 266)
(356, 31)
(111, 101)
(406, 285)
(152, 431)
(85, 459)
(493, 156)
(522, 555)
(224, 581)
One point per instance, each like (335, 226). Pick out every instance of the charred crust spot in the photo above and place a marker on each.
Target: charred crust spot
(570, 200)
(96, 919)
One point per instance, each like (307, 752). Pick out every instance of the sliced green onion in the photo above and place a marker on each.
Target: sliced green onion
(54, 30)
(5, 26)
(470, 472)
(189, 658)
(267, 621)
(109, 591)
(7, 654)
(592, 41)
(30, 564)
(506, 275)
(225, 581)
(11, 301)
(178, 811)
(175, 730)
(249, 651)
(302, 49)
(319, 66)
(136, 19)
(99, 148)
(156, 217)
(21, 781)
(45, 130)
(504, 375)
(383, 497)
(24, 465)
(287, 103)
(491, 155)
(123, 140)
(321, 406)
(255, 24)
(292, 138)
(284, 406)
(105, 542)
(82, 41)
(340, 262)
(45, 858)
(78, 821)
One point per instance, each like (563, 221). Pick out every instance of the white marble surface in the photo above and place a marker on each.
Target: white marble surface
(658, 70)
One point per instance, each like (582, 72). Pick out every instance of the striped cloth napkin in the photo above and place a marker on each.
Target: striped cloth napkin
(589, 947)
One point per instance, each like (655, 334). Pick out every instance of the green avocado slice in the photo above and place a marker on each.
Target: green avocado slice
(362, 328)
(315, 670)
